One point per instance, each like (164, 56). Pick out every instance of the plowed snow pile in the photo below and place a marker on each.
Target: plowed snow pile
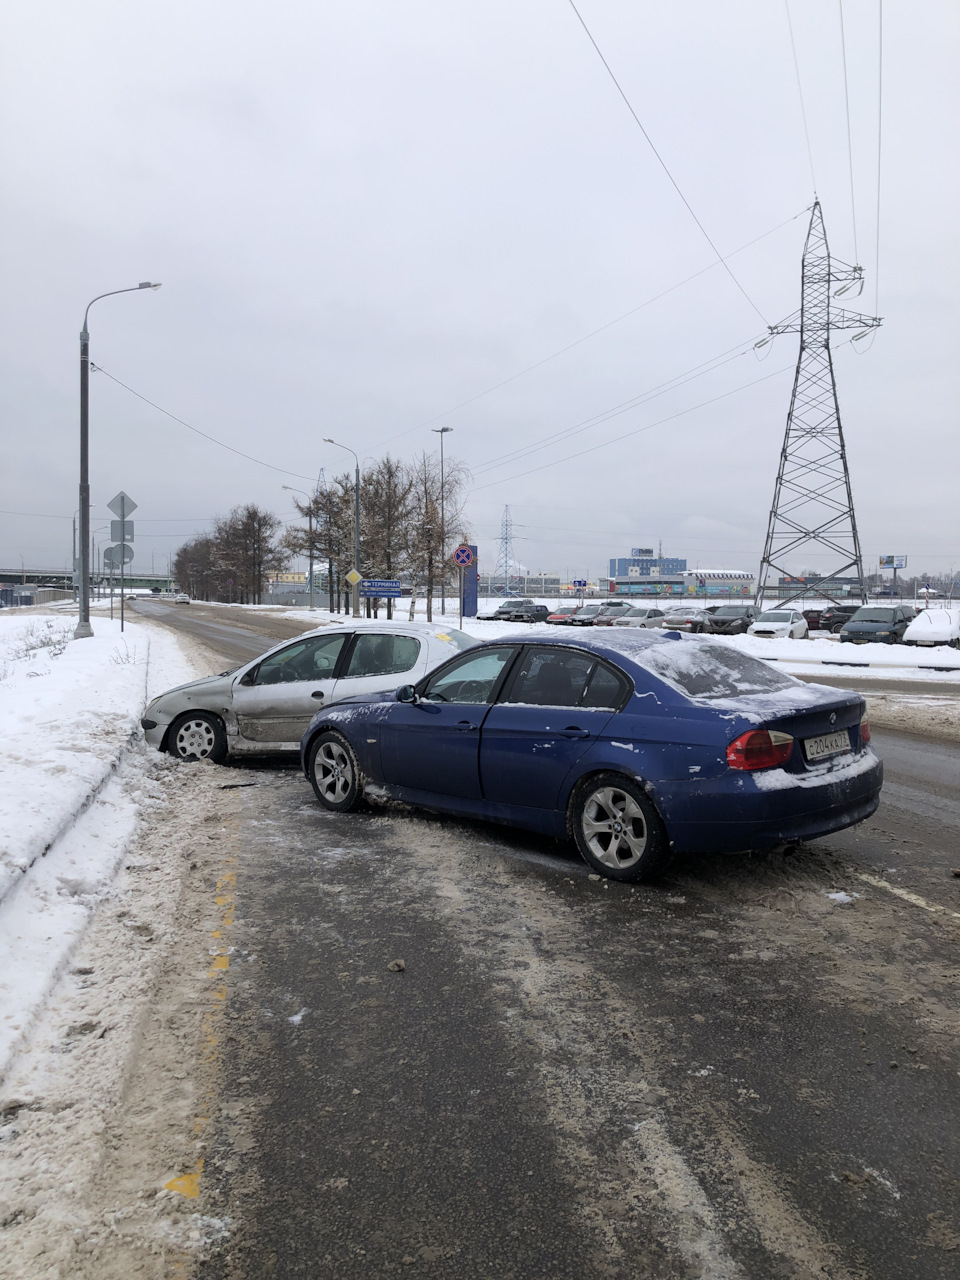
(73, 788)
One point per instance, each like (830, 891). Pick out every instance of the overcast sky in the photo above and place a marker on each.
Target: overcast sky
(367, 215)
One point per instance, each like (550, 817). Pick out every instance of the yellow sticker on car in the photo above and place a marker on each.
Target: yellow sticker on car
(442, 635)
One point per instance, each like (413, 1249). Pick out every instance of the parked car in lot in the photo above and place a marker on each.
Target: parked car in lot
(685, 619)
(640, 616)
(562, 614)
(779, 624)
(835, 615)
(265, 705)
(561, 736)
(934, 626)
(731, 619)
(529, 613)
(879, 624)
(586, 615)
(612, 610)
(504, 611)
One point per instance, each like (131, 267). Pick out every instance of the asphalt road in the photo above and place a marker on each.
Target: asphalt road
(730, 1075)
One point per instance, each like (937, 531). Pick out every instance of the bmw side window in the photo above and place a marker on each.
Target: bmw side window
(606, 690)
(382, 655)
(550, 678)
(312, 659)
(471, 678)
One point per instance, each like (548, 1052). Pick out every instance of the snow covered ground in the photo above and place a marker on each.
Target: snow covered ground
(75, 782)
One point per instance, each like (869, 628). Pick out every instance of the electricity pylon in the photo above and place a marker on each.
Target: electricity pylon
(505, 560)
(812, 502)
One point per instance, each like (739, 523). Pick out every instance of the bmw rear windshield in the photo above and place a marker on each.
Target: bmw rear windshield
(710, 672)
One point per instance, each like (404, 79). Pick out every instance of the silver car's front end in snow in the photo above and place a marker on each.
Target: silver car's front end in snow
(198, 694)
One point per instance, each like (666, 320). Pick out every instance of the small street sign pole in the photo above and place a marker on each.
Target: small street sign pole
(461, 599)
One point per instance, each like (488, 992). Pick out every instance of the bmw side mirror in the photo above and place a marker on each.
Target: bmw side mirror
(407, 693)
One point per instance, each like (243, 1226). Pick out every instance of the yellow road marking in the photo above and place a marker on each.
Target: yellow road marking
(188, 1184)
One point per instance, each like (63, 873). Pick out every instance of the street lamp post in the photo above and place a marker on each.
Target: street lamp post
(441, 432)
(83, 624)
(356, 523)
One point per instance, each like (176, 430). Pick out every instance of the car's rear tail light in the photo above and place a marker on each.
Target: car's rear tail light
(759, 749)
(864, 730)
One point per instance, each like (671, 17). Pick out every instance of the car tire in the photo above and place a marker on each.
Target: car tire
(640, 850)
(334, 773)
(198, 735)
(837, 628)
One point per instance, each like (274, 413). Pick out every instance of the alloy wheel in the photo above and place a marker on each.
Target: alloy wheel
(333, 772)
(614, 828)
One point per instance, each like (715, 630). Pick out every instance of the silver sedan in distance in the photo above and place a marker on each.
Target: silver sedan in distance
(639, 616)
(266, 705)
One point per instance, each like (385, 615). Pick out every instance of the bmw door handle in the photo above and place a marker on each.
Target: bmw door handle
(318, 694)
(572, 731)
(465, 726)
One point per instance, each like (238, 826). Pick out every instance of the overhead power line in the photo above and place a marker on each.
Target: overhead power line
(638, 430)
(803, 109)
(97, 368)
(672, 384)
(846, 98)
(554, 355)
(876, 266)
(663, 163)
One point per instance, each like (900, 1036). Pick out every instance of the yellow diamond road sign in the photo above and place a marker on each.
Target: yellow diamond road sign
(353, 577)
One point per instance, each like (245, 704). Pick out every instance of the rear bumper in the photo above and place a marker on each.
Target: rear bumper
(783, 807)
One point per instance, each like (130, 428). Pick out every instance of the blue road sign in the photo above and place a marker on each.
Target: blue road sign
(380, 588)
(579, 582)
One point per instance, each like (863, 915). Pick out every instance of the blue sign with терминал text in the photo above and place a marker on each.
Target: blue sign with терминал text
(380, 588)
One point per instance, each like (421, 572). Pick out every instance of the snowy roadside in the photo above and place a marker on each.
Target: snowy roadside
(75, 781)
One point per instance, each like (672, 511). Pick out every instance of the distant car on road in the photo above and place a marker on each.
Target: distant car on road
(181, 598)
(780, 624)
(879, 624)
(640, 616)
(731, 619)
(264, 706)
(561, 735)
(562, 614)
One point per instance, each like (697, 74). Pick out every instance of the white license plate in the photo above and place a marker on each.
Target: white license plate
(828, 744)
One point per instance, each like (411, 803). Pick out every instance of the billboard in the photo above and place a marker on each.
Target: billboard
(893, 562)
(637, 552)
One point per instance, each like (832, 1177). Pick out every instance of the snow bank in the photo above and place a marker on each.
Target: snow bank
(70, 707)
(902, 661)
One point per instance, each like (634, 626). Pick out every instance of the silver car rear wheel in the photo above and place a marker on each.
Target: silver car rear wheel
(334, 773)
(617, 829)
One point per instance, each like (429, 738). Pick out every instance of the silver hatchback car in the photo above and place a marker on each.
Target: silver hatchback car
(266, 705)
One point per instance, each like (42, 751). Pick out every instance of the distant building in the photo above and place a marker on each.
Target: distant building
(726, 583)
(646, 566)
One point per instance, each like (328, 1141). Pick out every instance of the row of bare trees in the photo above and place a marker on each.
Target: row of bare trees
(407, 520)
(235, 561)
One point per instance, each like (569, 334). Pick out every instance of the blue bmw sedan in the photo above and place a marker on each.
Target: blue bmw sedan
(635, 744)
